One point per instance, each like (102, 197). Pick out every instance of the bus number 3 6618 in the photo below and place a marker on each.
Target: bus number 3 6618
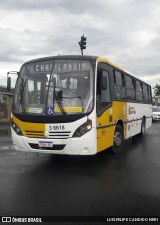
(57, 127)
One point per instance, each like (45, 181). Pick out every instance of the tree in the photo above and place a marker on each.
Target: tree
(157, 90)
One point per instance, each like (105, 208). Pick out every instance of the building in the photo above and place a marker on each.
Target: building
(6, 98)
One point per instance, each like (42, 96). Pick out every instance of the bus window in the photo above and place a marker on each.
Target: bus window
(145, 93)
(130, 88)
(119, 85)
(150, 95)
(103, 91)
(139, 96)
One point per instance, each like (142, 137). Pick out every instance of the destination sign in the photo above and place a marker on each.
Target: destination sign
(43, 67)
(62, 66)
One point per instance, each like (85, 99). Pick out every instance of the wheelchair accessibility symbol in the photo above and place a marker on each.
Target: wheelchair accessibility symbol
(50, 110)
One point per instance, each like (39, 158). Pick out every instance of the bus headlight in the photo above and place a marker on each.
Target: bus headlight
(16, 128)
(83, 129)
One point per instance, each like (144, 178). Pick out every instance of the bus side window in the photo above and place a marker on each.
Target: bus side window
(119, 85)
(139, 96)
(130, 88)
(103, 91)
(150, 95)
(145, 93)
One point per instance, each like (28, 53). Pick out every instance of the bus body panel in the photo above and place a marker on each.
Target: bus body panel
(130, 114)
(30, 129)
(135, 113)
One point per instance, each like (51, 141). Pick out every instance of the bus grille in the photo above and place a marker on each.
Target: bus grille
(34, 134)
(59, 135)
(55, 147)
(51, 134)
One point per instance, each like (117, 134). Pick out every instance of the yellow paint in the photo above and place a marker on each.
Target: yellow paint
(35, 130)
(69, 109)
(101, 59)
(118, 111)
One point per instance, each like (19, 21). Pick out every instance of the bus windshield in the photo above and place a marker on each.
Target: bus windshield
(54, 87)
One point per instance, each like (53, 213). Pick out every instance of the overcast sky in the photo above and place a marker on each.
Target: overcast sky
(127, 32)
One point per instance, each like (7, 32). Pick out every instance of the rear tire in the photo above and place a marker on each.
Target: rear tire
(118, 139)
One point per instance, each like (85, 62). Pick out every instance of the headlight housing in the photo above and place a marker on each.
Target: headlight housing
(83, 129)
(16, 128)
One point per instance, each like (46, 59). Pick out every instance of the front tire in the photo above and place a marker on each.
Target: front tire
(118, 139)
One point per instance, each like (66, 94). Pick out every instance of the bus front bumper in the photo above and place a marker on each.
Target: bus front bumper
(71, 146)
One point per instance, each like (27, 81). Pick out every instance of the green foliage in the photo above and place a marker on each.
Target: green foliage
(157, 90)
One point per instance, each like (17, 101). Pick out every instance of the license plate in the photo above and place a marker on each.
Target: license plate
(45, 144)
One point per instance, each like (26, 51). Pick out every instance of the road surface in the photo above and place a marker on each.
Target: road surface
(127, 184)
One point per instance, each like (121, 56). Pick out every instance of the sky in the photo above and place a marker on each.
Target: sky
(126, 32)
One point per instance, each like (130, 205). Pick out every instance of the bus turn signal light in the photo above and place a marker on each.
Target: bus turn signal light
(16, 128)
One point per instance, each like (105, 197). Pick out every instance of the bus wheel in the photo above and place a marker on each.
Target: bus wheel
(143, 128)
(118, 140)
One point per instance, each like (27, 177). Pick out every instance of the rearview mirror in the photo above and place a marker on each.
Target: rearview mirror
(9, 78)
(8, 83)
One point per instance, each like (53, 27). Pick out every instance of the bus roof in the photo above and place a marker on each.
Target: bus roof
(83, 57)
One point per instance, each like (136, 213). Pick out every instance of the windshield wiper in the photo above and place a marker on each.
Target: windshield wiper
(58, 97)
(60, 104)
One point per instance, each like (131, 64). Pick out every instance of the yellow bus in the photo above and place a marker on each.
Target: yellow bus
(77, 105)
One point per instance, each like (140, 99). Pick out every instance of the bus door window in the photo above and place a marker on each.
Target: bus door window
(67, 85)
(73, 84)
(103, 91)
(39, 92)
(70, 92)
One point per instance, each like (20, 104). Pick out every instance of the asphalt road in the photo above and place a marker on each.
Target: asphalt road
(127, 184)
